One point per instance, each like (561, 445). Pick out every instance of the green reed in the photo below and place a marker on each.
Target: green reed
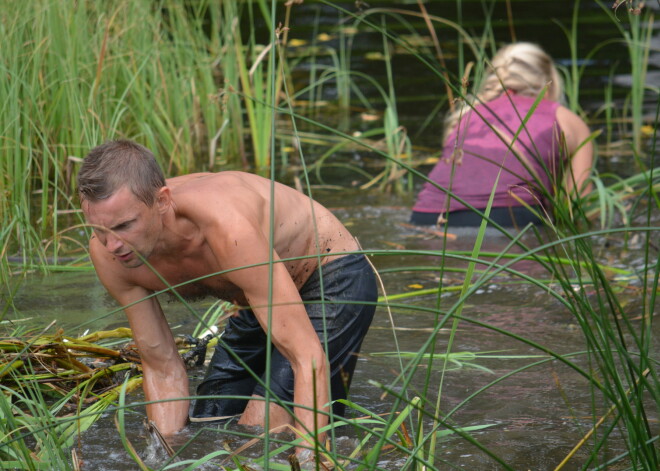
(34, 425)
(636, 34)
(76, 74)
(635, 28)
(156, 75)
(622, 389)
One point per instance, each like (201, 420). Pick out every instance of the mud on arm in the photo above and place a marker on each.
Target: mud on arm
(283, 312)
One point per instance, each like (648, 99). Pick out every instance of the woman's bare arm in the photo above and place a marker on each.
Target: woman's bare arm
(580, 149)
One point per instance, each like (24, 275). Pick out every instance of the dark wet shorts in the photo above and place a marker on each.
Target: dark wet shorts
(349, 292)
(515, 216)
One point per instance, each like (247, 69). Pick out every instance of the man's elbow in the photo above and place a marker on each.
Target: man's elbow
(312, 362)
(171, 369)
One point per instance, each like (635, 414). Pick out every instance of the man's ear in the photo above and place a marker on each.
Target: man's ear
(163, 199)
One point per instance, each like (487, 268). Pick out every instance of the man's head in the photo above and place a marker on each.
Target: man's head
(123, 196)
(115, 164)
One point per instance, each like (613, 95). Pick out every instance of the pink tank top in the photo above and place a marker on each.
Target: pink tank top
(474, 153)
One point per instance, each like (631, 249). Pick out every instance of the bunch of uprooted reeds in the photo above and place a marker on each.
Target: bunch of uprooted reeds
(59, 364)
(54, 387)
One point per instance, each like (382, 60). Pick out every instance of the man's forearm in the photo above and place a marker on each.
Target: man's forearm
(311, 392)
(168, 414)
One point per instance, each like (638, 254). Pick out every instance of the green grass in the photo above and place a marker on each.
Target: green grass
(192, 82)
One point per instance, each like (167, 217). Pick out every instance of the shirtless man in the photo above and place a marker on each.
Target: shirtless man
(151, 234)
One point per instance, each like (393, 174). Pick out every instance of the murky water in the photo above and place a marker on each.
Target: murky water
(535, 416)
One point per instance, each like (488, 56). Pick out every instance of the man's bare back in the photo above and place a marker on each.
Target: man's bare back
(240, 201)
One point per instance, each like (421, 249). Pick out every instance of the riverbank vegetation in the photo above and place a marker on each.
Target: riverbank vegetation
(230, 85)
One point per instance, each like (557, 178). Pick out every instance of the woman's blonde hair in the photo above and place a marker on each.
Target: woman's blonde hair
(523, 68)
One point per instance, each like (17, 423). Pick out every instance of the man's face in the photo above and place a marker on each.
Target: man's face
(125, 226)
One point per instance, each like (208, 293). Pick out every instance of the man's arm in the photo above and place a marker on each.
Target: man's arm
(165, 376)
(291, 330)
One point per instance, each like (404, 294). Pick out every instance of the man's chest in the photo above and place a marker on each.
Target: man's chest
(191, 278)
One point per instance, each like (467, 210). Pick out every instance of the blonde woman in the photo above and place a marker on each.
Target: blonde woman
(507, 141)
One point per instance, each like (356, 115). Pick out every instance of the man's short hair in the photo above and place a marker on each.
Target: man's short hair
(119, 163)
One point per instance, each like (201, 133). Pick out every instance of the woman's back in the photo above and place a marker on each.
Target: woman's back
(491, 144)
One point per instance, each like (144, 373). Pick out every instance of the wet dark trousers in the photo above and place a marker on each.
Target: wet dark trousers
(515, 216)
(341, 321)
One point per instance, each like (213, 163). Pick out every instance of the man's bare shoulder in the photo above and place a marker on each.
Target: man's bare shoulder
(221, 187)
(224, 198)
(218, 179)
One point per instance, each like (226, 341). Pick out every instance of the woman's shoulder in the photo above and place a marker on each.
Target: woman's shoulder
(515, 107)
(524, 101)
(570, 122)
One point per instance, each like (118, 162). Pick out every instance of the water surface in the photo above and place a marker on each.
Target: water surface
(536, 416)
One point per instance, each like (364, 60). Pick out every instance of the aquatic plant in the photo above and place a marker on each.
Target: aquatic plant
(637, 36)
(50, 395)
(181, 86)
